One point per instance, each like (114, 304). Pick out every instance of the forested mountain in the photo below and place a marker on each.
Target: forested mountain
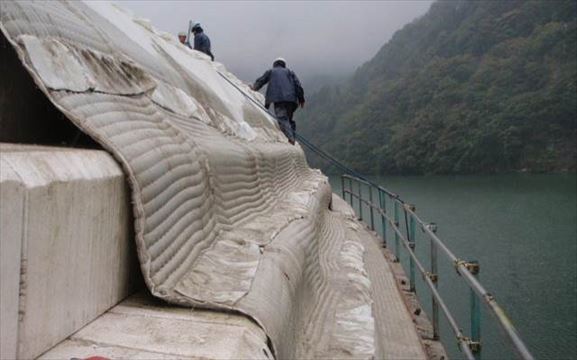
(470, 87)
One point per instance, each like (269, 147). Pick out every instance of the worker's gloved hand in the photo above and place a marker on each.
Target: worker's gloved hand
(302, 103)
(251, 87)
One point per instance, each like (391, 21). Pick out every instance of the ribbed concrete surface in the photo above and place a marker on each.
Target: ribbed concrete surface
(227, 214)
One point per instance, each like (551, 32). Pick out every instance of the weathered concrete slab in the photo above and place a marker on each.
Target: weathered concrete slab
(73, 231)
(11, 206)
(394, 322)
(227, 215)
(143, 328)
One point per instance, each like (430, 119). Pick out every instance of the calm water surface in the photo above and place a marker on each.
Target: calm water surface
(523, 231)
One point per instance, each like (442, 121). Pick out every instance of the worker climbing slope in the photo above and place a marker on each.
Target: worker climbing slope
(201, 41)
(285, 92)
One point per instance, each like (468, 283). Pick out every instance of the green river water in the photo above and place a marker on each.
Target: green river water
(523, 231)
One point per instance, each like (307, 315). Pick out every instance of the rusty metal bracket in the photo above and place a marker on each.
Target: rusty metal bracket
(475, 346)
(472, 267)
(434, 277)
(432, 227)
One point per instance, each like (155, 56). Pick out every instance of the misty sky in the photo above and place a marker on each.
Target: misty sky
(315, 37)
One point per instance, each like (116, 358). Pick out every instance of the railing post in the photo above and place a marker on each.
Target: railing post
(383, 205)
(360, 201)
(435, 278)
(371, 207)
(351, 191)
(411, 238)
(396, 214)
(475, 314)
(343, 187)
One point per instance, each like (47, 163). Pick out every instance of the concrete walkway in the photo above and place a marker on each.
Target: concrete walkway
(394, 325)
(142, 327)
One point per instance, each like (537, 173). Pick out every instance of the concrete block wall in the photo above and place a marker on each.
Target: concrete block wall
(66, 244)
(11, 207)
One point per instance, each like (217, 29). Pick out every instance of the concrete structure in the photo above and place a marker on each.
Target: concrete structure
(142, 328)
(227, 216)
(11, 210)
(68, 217)
(66, 244)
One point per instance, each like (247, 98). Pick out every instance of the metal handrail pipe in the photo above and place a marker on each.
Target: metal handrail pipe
(367, 202)
(392, 195)
(463, 344)
(368, 182)
(322, 154)
(474, 284)
(510, 330)
(480, 290)
(461, 338)
(355, 178)
(471, 281)
(433, 236)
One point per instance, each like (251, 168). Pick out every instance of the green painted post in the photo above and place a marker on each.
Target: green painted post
(396, 210)
(412, 243)
(371, 207)
(360, 201)
(475, 314)
(351, 191)
(435, 279)
(383, 205)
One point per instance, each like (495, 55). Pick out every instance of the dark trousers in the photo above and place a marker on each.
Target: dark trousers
(284, 113)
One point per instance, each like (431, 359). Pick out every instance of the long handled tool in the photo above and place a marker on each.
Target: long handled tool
(189, 31)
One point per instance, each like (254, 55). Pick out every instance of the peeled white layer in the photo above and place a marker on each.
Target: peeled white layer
(228, 215)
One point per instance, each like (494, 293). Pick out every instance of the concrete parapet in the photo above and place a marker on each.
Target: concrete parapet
(65, 234)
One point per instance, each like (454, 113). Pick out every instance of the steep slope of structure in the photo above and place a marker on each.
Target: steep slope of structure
(228, 215)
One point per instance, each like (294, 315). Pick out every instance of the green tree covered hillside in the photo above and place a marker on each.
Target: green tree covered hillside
(470, 87)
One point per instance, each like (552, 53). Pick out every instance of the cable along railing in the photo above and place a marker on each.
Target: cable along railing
(404, 237)
(469, 270)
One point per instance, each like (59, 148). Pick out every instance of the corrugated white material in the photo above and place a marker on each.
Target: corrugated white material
(227, 214)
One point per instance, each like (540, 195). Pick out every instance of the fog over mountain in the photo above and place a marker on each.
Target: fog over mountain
(321, 40)
(472, 87)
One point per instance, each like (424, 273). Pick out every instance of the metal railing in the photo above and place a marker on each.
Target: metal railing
(470, 346)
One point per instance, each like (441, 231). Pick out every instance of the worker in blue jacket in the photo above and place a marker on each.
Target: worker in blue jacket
(285, 92)
(201, 40)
